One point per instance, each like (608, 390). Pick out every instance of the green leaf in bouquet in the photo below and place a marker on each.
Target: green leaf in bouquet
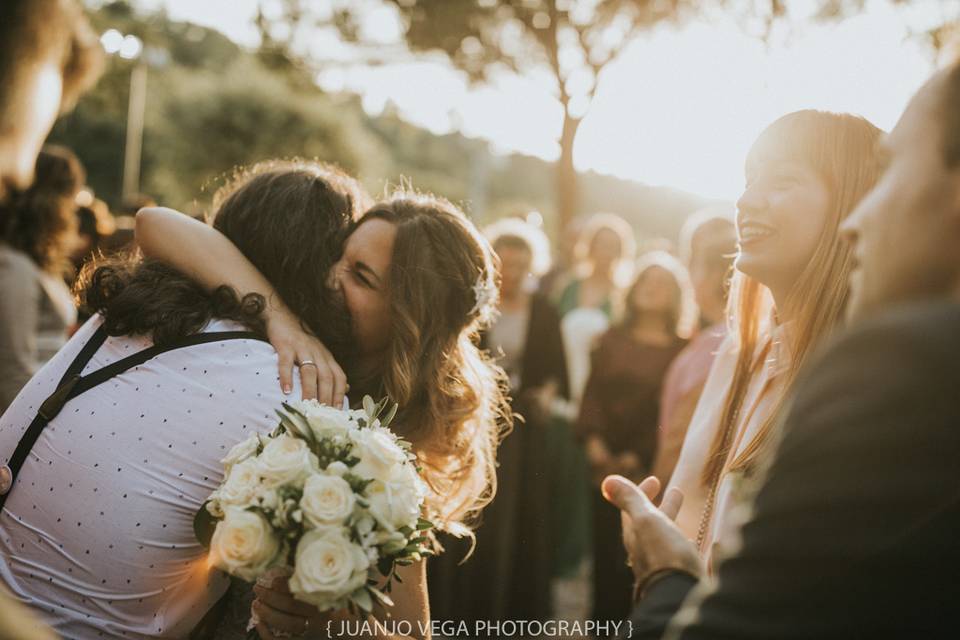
(423, 524)
(369, 407)
(391, 414)
(406, 531)
(393, 547)
(361, 597)
(204, 524)
(357, 484)
(385, 566)
(296, 423)
(381, 596)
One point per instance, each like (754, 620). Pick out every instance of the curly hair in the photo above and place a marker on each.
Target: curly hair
(147, 297)
(41, 221)
(452, 397)
(288, 218)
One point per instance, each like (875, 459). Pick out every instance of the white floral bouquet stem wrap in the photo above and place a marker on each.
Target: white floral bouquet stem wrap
(331, 497)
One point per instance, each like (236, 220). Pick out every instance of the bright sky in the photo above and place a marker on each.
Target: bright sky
(679, 108)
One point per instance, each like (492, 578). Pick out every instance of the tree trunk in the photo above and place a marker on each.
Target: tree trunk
(567, 191)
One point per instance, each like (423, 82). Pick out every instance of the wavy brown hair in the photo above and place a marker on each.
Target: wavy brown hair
(41, 221)
(452, 397)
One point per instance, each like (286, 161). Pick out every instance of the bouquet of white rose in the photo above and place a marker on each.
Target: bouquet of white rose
(331, 497)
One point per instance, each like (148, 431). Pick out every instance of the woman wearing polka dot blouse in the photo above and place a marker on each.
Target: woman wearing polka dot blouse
(96, 530)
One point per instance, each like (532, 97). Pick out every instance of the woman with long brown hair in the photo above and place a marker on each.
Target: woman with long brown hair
(621, 402)
(418, 281)
(804, 175)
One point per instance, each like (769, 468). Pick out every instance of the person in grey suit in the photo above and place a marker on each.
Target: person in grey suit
(853, 529)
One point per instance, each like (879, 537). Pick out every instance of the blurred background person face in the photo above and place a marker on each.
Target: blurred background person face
(713, 244)
(655, 293)
(605, 249)
(41, 221)
(661, 289)
(780, 218)
(515, 262)
(906, 232)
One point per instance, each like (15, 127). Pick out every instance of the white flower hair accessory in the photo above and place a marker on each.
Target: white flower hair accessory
(484, 294)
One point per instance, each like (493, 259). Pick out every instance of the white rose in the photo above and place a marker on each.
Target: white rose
(286, 460)
(214, 507)
(240, 452)
(268, 499)
(328, 568)
(327, 422)
(327, 500)
(396, 501)
(243, 544)
(378, 451)
(336, 468)
(240, 487)
(359, 414)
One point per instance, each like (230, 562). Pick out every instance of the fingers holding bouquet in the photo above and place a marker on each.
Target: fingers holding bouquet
(280, 614)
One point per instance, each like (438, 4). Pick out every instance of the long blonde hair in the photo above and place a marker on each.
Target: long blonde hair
(452, 397)
(842, 149)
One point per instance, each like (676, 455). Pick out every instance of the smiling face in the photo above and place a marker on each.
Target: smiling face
(361, 277)
(905, 232)
(781, 217)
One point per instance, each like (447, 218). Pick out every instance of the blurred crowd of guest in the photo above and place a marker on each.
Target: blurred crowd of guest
(606, 358)
(48, 232)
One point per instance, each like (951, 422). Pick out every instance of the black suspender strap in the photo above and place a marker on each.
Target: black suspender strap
(73, 384)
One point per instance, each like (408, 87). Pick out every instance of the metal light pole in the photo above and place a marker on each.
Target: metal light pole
(135, 116)
(130, 47)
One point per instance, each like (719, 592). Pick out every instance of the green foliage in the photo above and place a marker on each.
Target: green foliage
(214, 106)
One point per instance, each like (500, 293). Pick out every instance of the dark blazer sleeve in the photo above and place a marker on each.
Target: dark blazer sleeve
(853, 533)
